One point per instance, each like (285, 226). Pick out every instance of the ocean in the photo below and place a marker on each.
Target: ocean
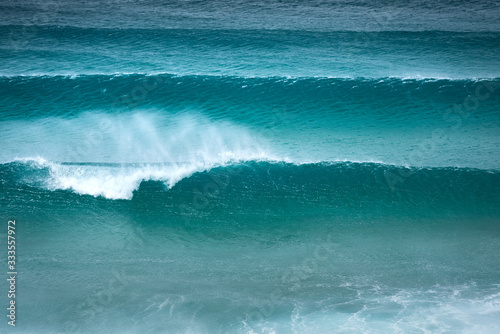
(270, 166)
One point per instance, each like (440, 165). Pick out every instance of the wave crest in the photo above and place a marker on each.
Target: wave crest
(111, 181)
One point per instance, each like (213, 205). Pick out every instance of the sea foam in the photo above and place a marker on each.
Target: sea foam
(121, 151)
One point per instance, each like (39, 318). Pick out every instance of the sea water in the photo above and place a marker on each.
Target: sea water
(252, 167)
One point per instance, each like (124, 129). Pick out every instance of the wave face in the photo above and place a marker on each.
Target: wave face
(347, 183)
(252, 166)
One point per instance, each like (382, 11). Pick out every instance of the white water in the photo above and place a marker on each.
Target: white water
(139, 146)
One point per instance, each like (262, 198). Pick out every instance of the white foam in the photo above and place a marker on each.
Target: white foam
(109, 155)
(120, 181)
(453, 309)
(114, 182)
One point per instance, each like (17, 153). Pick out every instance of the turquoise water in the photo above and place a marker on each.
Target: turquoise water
(264, 167)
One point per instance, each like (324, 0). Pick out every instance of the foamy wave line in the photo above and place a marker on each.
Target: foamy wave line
(173, 75)
(118, 181)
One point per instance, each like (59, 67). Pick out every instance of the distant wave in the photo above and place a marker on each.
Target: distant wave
(52, 50)
(167, 77)
(146, 75)
(63, 94)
